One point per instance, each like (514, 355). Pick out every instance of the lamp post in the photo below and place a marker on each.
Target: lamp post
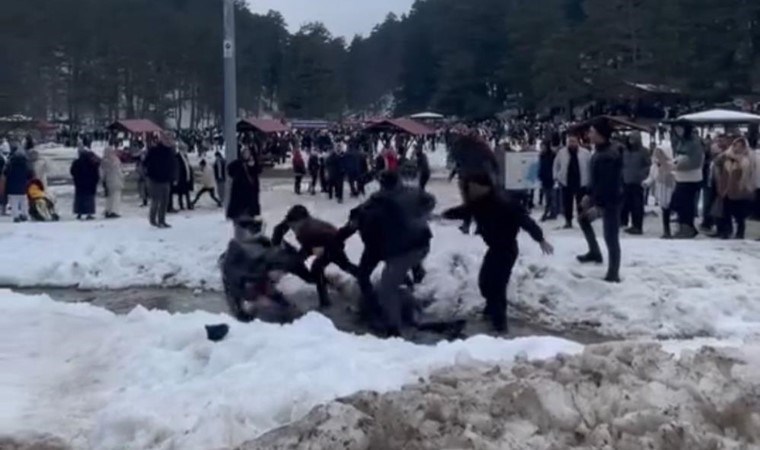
(230, 87)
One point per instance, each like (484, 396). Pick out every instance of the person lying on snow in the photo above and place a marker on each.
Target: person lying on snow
(41, 206)
(499, 220)
(251, 268)
(318, 238)
(393, 224)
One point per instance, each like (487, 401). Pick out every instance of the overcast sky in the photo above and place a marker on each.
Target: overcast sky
(342, 17)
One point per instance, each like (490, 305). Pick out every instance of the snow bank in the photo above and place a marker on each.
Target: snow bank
(151, 380)
(669, 289)
(614, 396)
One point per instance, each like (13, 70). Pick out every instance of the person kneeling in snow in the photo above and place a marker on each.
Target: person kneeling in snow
(251, 268)
(499, 220)
(316, 237)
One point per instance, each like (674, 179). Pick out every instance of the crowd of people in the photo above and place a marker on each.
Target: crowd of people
(586, 174)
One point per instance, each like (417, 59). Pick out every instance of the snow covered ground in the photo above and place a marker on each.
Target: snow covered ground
(150, 380)
(670, 288)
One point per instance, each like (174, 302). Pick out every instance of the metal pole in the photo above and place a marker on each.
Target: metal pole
(230, 88)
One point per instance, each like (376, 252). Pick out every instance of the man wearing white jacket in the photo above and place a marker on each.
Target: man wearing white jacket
(572, 170)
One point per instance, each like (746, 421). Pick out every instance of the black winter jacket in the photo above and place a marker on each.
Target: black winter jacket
(607, 175)
(392, 222)
(499, 219)
(86, 173)
(244, 195)
(161, 164)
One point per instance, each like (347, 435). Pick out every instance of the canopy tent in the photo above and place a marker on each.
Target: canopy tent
(299, 124)
(427, 115)
(719, 117)
(618, 123)
(135, 126)
(265, 126)
(407, 126)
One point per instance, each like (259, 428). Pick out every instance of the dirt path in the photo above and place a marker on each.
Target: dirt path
(178, 300)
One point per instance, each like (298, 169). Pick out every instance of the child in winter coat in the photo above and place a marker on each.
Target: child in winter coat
(208, 184)
(662, 182)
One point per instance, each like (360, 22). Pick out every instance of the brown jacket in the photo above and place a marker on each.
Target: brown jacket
(734, 175)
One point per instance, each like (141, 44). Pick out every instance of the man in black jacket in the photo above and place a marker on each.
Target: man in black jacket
(393, 224)
(160, 168)
(499, 219)
(604, 199)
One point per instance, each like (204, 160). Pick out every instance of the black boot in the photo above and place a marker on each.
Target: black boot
(590, 258)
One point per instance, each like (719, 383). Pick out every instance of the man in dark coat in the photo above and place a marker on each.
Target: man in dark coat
(316, 237)
(499, 220)
(220, 175)
(604, 199)
(423, 166)
(18, 173)
(352, 167)
(313, 167)
(636, 166)
(85, 170)
(184, 182)
(546, 177)
(336, 174)
(244, 195)
(160, 169)
(393, 224)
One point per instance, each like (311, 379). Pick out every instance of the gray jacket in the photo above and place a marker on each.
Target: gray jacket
(636, 165)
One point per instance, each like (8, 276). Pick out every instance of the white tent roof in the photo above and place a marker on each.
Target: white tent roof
(720, 116)
(426, 115)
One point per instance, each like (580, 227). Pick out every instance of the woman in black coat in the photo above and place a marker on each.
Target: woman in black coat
(244, 194)
(86, 173)
(184, 182)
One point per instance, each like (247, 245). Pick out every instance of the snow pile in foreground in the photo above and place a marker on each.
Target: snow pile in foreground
(151, 380)
(614, 396)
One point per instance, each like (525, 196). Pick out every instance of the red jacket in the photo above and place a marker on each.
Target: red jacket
(299, 166)
(391, 161)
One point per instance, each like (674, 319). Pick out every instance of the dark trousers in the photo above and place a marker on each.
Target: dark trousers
(313, 183)
(493, 280)
(571, 201)
(684, 202)
(394, 275)
(552, 208)
(336, 188)
(370, 308)
(323, 181)
(332, 255)
(708, 198)
(666, 222)
(210, 192)
(160, 193)
(633, 206)
(735, 211)
(423, 180)
(611, 227)
(297, 186)
(181, 200)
